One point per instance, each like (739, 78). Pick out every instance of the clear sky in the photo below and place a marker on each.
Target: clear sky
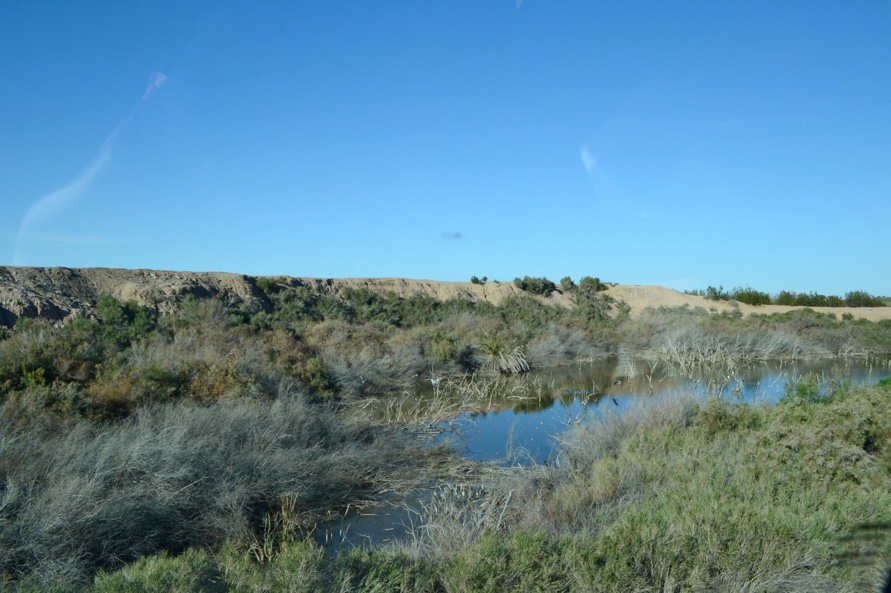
(685, 144)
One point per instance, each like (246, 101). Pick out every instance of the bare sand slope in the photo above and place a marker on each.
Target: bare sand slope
(56, 293)
(492, 292)
(639, 298)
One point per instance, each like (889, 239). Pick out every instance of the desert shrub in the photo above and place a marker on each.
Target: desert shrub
(567, 284)
(270, 285)
(419, 309)
(746, 295)
(592, 284)
(750, 296)
(717, 294)
(499, 353)
(861, 298)
(441, 347)
(85, 497)
(700, 344)
(540, 286)
(720, 416)
(801, 333)
(68, 353)
(371, 307)
(591, 304)
(475, 280)
(123, 324)
(857, 298)
(560, 345)
(28, 351)
(314, 374)
(529, 313)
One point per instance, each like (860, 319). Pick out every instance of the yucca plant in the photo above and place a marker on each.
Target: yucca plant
(500, 354)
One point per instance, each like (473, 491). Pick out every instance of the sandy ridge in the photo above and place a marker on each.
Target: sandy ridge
(56, 293)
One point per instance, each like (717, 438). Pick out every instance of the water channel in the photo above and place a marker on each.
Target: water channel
(523, 430)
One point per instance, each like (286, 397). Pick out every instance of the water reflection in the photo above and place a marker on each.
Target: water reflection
(528, 431)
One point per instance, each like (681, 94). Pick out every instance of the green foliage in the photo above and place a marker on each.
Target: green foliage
(441, 347)
(815, 388)
(589, 284)
(525, 561)
(500, 354)
(269, 285)
(123, 324)
(812, 299)
(529, 312)
(718, 416)
(857, 298)
(717, 294)
(591, 304)
(375, 571)
(746, 295)
(191, 571)
(316, 376)
(567, 284)
(540, 286)
(476, 280)
(861, 298)
(661, 498)
(750, 296)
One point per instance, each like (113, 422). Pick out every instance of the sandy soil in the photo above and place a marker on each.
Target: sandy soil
(639, 298)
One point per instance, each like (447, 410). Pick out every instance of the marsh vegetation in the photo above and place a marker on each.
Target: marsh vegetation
(200, 450)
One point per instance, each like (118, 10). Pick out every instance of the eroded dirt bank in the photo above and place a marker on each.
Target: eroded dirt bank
(56, 293)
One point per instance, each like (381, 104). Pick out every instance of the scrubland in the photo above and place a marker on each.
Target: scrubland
(197, 451)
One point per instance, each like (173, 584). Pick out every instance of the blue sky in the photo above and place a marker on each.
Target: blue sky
(685, 144)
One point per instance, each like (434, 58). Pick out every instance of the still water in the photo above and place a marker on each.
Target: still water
(520, 431)
(527, 431)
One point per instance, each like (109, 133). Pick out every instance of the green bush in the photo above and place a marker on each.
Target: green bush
(123, 324)
(591, 304)
(716, 294)
(746, 295)
(540, 286)
(857, 298)
(750, 296)
(589, 284)
(270, 285)
(860, 298)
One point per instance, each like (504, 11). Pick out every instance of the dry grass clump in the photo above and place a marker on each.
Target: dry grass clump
(177, 476)
(561, 345)
(700, 341)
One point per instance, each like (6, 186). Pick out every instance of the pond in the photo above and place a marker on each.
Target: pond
(525, 430)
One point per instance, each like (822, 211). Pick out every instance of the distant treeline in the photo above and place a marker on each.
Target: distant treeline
(748, 295)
